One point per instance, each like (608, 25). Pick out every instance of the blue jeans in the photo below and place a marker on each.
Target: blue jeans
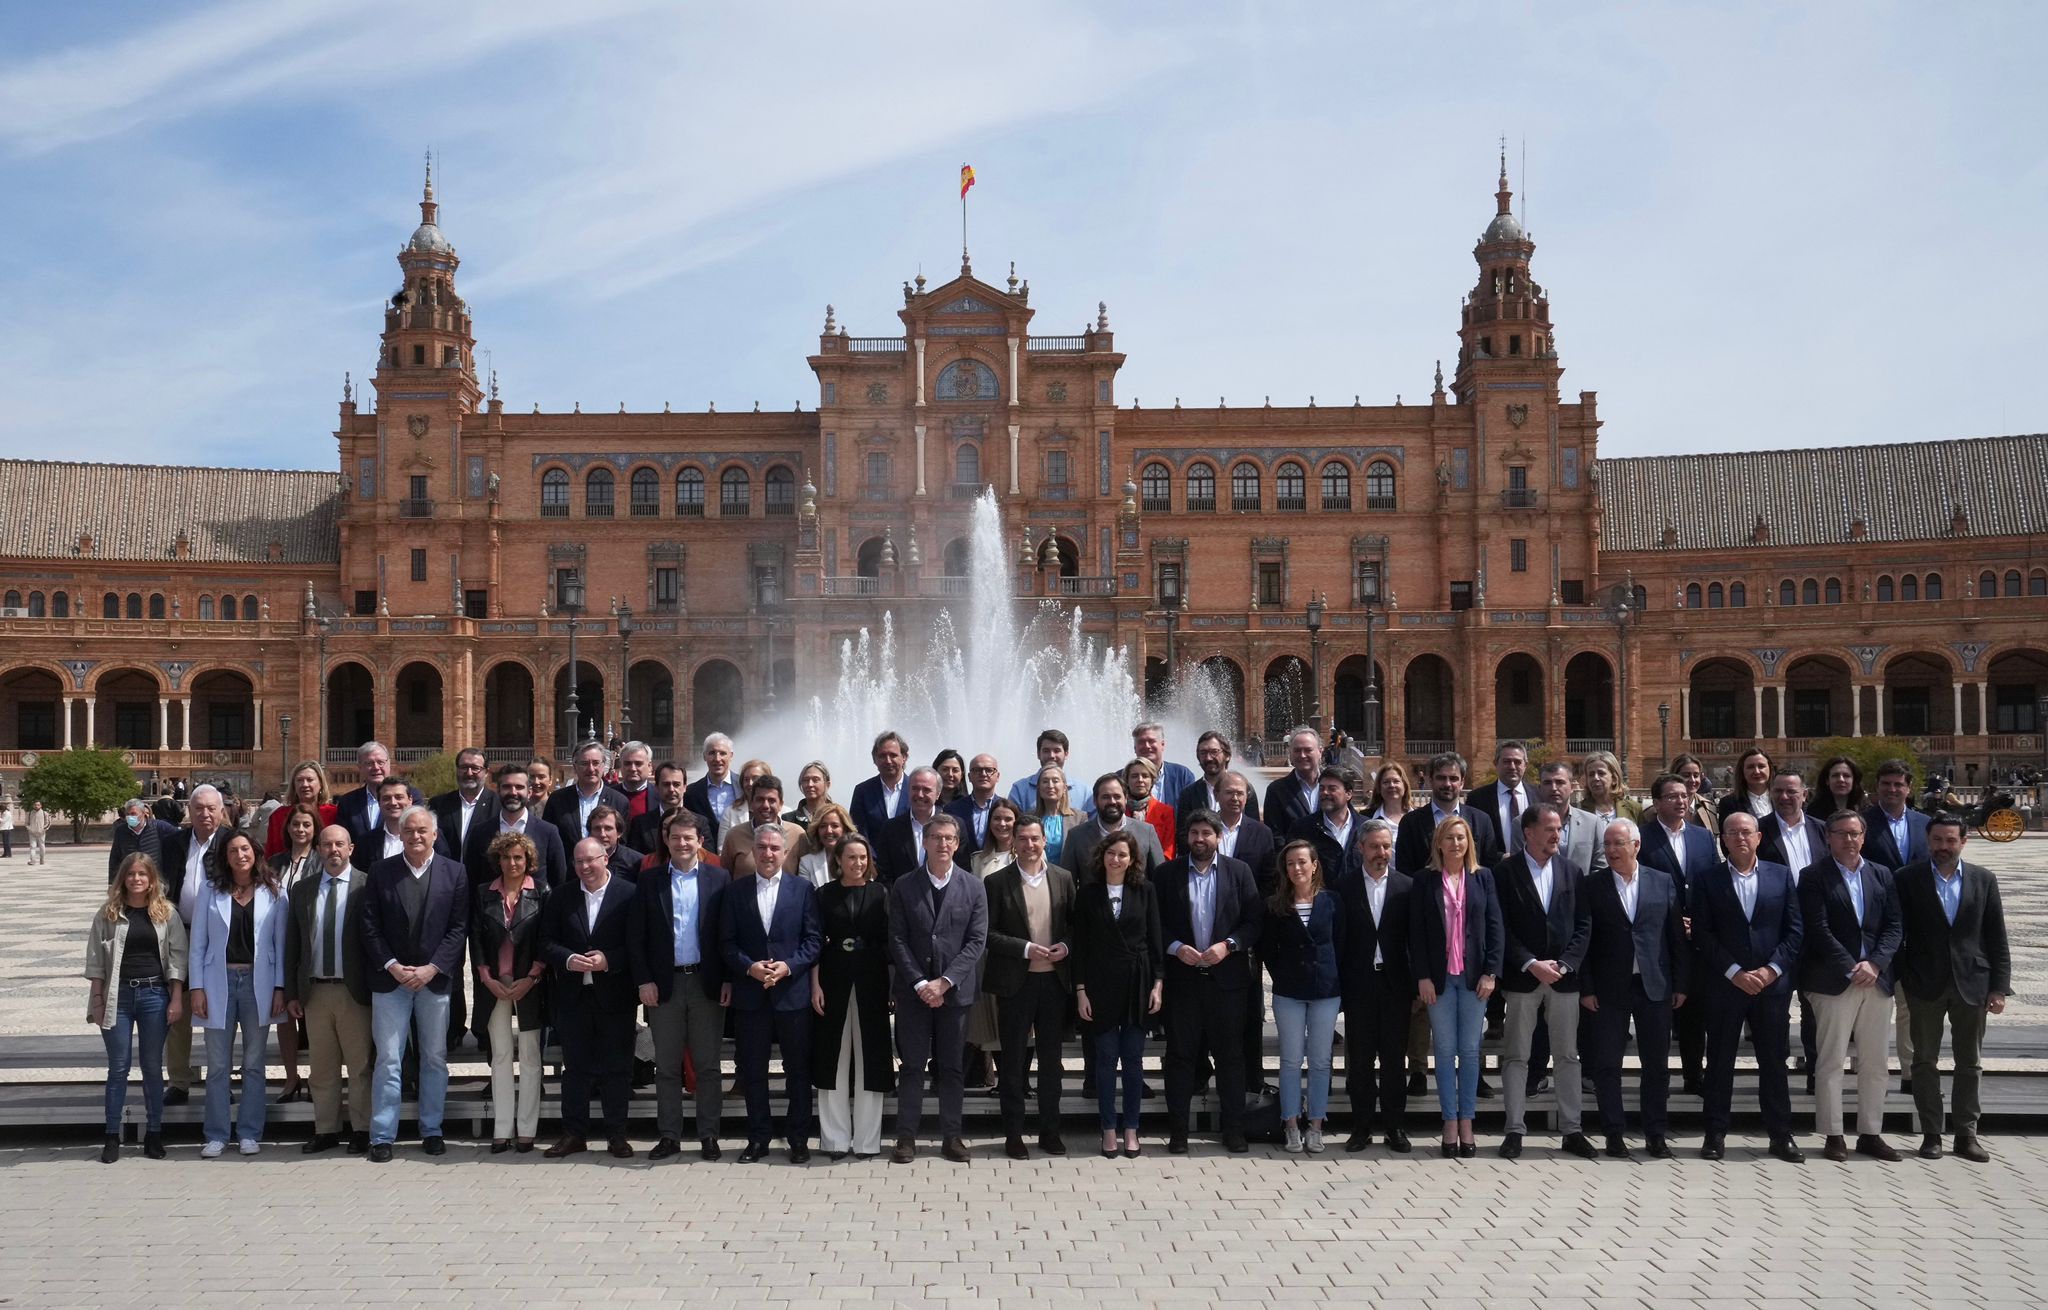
(143, 1009)
(1456, 1023)
(1125, 1045)
(392, 1016)
(237, 1008)
(1311, 1025)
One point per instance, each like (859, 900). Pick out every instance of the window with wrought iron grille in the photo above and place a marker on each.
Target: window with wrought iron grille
(646, 493)
(1290, 488)
(554, 494)
(735, 493)
(690, 494)
(1201, 488)
(1156, 486)
(781, 488)
(1244, 488)
(1336, 486)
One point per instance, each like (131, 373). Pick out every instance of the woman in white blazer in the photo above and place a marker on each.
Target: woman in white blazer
(237, 980)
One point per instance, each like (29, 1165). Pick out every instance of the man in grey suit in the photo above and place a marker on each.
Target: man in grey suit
(1637, 968)
(1078, 853)
(1584, 843)
(327, 987)
(938, 930)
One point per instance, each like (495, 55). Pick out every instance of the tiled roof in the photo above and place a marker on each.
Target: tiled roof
(1902, 492)
(136, 511)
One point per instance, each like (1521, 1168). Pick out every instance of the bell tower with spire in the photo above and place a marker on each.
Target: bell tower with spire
(427, 350)
(1505, 331)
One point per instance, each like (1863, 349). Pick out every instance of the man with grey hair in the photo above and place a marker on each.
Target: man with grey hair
(899, 842)
(636, 781)
(1291, 797)
(1637, 970)
(712, 796)
(1378, 988)
(938, 930)
(357, 810)
(138, 830)
(570, 806)
(1148, 742)
(415, 922)
(189, 854)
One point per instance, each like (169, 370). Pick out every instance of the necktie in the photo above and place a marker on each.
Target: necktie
(333, 930)
(1514, 820)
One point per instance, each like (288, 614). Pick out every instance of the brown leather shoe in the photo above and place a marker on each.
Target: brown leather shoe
(955, 1150)
(905, 1152)
(1835, 1148)
(620, 1148)
(1877, 1148)
(1972, 1150)
(566, 1146)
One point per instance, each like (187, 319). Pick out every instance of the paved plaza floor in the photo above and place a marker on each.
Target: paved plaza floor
(1209, 1228)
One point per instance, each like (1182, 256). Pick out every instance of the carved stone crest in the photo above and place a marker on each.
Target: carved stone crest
(878, 393)
(1056, 392)
(416, 424)
(1518, 414)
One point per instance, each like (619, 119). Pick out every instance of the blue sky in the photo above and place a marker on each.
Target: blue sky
(1761, 225)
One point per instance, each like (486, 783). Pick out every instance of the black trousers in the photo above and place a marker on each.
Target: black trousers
(596, 1034)
(1769, 1017)
(1255, 1026)
(1040, 1007)
(1202, 1014)
(940, 1037)
(755, 1034)
(1689, 1021)
(1608, 1028)
(1376, 1055)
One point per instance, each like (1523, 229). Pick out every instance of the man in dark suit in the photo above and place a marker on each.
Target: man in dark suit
(1030, 904)
(138, 830)
(1210, 913)
(1549, 926)
(1747, 934)
(1895, 834)
(636, 784)
(1792, 837)
(1170, 778)
(1505, 798)
(587, 934)
(1212, 753)
(1243, 838)
(1671, 842)
(770, 937)
(1379, 993)
(1584, 842)
(189, 854)
(569, 807)
(514, 813)
(386, 841)
(1292, 796)
(682, 983)
(621, 859)
(1955, 966)
(1412, 848)
(1638, 967)
(1853, 929)
(938, 935)
(358, 810)
(1330, 828)
(644, 832)
(717, 792)
(881, 798)
(415, 923)
(470, 807)
(1078, 853)
(983, 775)
(899, 841)
(327, 987)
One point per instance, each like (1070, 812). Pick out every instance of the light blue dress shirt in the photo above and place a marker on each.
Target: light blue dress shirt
(1949, 887)
(684, 883)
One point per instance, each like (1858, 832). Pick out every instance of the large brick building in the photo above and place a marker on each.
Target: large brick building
(1502, 577)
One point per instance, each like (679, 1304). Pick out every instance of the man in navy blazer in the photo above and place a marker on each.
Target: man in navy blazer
(972, 809)
(717, 792)
(1638, 968)
(899, 841)
(587, 934)
(881, 798)
(515, 813)
(1210, 914)
(1549, 927)
(415, 925)
(1330, 828)
(569, 807)
(1853, 929)
(1379, 992)
(1292, 796)
(677, 964)
(1790, 835)
(1412, 842)
(1681, 848)
(1894, 833)
(1212, 752)
(938, 932)
(1746, 933)
(1507, 797)
(357, 810)
(770, 936)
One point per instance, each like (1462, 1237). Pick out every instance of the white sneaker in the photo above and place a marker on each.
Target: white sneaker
(1294, 1138)
(1314, 1141)
(212, 1150)
(251, 1146)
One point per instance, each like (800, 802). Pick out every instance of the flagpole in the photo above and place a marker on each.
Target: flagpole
(963, 230)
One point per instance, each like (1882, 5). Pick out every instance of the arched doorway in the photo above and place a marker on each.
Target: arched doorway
(1215, 695)
(1286, 684)
(31, 701)
(958, 557)
(867, 561)
(715, 704)
(418, 726)
(1816, 698)
(125, 710)
(508, 709)
(2017, 679)
(1158, 681)
(653, 698)
(1588, 703)
(1428, 694)
(1723, 701)
(1518, 698)
(351, 710)
(590, 718)
(223, 712)
(1919, 700)
(1064, 552)
(1353, 679)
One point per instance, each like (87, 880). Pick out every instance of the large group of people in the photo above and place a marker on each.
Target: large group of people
(936, 921)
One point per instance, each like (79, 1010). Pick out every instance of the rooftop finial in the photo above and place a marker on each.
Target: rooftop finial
(1504, 197)
(348, 388)
(429, 193)
(1102, 316)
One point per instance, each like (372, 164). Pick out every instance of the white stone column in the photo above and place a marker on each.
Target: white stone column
(920, 370)
(163, 723)
(1880, 710)
(259, 724)
(1014, 456)
(91, 733)
(1956, 724)
(920, 459)
(1983, 709)
(1013, 372)
(68, 701)
(1855, 710)
(1757, 692)
(185, 708)
(1685, 713)
(1784, 726)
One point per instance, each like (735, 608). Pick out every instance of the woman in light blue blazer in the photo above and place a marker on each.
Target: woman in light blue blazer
(237, 980)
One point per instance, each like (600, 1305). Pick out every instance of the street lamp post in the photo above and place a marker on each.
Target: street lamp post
(1623, 607)
(1664, 731)
(284, 748)
(571, 602)
(2041, 726)
(1369, 596)
(626, 672)
(1172, 629)
(1315, 663)
(320, 728)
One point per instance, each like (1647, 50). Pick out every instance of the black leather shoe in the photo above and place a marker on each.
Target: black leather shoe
(1418, 1083)
(1930, 1148)
(708, 1148)
(1656, 1147)
(905, 1152)
(1906, 1085)
(358, 1143)
(1358, 1141)
(1835, 1148)
(665, 1148)
(319, 1142)
(955, 1150)
(500, 1145)
(1972, 1150)
(434, 1145)
(1450, 1150)
(153, 1146)
(1468, 1150)
(1235, 1143)
(177, 1095)
(1788, 1150)
(380, 1153)
(836, 1156)
(1877, 1148)
(1052, 1144)
(799, 1153)
(1712, 1149)
(1617, 1148)
(1015, 1149)
(1693, 1087)
(1809, 1084)
(1580, 1145)
(643, 1074)
(1177, 1142)
(567, 1146)
(1397, 1142)
(1511, 1147)
(111, 1151)
(1486, 1092)
(620, 1148)
(522, 1145)
(754, 1153)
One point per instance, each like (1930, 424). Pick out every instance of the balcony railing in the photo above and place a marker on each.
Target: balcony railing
(734, 509)
(415, 509)
(554, 510)
(1379, 502)
(1201, 504)
(1086, 587)
(1519, 498)
(781, 508)
(963, 490)
(1056, 343)
(1587, 745)
(1425, 746)
(877, 345)
(1290, 504)
(1157, 504)
(597, 509)
(1244, 504)
(646, 509)
(852, 586)
(1342, 502)
(948, 585)
(689, 509)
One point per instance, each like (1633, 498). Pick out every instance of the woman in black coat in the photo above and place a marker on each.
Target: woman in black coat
(1119, 952)
(504, 948)
(850, 993)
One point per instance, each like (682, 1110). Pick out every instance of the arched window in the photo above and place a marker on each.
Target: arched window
(1155, 485)
(1884, 587)
(780, 486)
(1379, 485)
(134, 605)
(1336, 485)
(250, 610)
(1834, 591)
(1639, 598)
(1716, 598)
(12, 600)
(1788, 594)
(1290, 487)
(967, 468)
(690, 494)
(156, 605)
(1809, 592)
(1244, 488)
(2037, 584)
(1987, 583)
(60, 605)
(598, 492)
(228, 609)
(646, 493)
(35, 604)
(966, 379)
(206, 607)
(554, 494)
(1909, 587)
(110, 606)
(2012, 582)
(735, 493)
(1933, 587)
(1692, 595)
(1201, 487)
(1738, 596)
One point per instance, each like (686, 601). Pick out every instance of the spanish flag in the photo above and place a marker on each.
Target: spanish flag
(966, 179)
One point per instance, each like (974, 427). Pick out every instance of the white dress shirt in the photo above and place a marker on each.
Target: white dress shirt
(1226, 840)
(195, 877)
(1745, 892)
(468, 812)
(765, 892)
(1630, 889)
(1376, 901)
(892, 797)
(393, 843)
(1677, 842)
(1798, 850)
(593, 901)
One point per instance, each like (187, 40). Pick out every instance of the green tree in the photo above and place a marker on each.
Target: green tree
(80, 784)
(1868, 753)
(434, 774)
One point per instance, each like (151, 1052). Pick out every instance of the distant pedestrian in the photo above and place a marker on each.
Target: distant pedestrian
(38, 834)
(6, 828)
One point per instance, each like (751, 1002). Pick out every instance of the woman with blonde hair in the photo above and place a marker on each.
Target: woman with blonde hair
(1391, 795)
(814, 784)
(828, 827)
(504, 948)
(1605, 795)
(1057, 811)
(1457, 939)
(135, 950)
(308, 787)
(1300, 946)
